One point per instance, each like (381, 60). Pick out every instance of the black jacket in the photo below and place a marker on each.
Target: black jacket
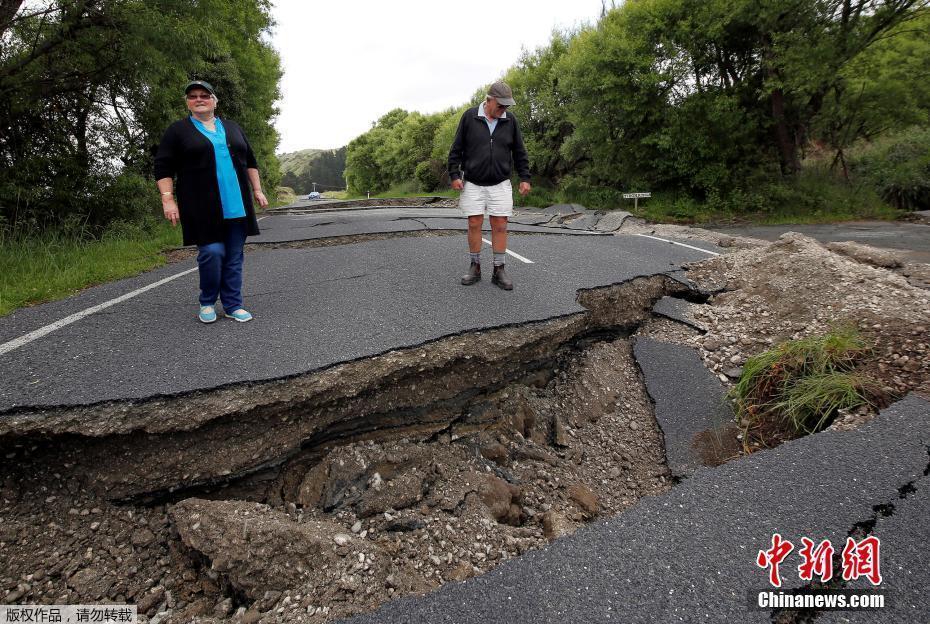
(485, 158)
(188, 155)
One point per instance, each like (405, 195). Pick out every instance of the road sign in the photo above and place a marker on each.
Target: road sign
(636, 197)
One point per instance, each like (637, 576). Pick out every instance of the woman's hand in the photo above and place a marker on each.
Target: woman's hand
(260, 198)
(170, 208)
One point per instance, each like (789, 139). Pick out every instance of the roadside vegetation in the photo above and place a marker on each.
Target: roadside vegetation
(54, 264)
(800, 386)
(725, 110)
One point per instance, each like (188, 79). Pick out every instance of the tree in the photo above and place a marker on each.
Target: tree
(88, 86)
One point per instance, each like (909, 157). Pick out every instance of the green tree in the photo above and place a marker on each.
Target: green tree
(88, 86)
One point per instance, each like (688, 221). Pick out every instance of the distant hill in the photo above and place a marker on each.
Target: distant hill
(302, 168)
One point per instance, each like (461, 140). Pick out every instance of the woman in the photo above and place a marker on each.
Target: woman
(217, 178)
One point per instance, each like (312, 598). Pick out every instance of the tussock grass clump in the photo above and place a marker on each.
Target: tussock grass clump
(799, 386)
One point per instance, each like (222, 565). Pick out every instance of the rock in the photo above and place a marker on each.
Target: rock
(535, 454)
(461, 572)
(90, 583)
(341, 539)
(357, 527)
(223, 608)
(257, 548)
(152, 599)
(251, 616)
(334, 482)
(866, 254)
(13, 596)
(9, 531)
(585, 498)
(142, 537)
(559, 432)
(501, 499)
(734, 373)
(404, 491)
(404, 524)
(495, 452)
(712, 344)
(555, 525)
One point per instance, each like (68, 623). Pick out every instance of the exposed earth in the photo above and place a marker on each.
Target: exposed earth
(349, 523)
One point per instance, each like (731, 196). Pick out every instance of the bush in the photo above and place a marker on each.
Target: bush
(897, 167)
(799, 386)
(426, 176)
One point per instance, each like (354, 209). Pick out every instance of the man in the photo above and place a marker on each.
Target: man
(486, 140)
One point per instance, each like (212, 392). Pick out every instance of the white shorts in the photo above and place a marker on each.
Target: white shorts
(496, 201)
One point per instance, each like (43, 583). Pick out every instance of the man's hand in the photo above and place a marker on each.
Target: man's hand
(170, 208)
(260, 198)
(457, 184)
(525, 188)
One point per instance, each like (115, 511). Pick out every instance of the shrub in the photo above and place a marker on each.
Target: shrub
(799, 386)
(897, 167)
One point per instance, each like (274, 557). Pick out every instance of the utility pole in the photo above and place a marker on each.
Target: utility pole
(314, 186)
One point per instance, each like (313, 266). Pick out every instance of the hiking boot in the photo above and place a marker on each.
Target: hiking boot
(473, 276)
(501, 279)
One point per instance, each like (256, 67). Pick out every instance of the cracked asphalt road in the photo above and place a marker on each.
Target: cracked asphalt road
(322, 224)
(313, 307)
(689, 555)
(686, 556)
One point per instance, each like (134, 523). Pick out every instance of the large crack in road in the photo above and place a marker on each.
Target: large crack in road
(453, 455)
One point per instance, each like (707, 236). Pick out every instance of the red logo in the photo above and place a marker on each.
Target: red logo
(859, 559)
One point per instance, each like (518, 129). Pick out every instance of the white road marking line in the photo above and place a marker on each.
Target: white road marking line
(35, 335)
(515, 255)
(665, 240)
(260, 218)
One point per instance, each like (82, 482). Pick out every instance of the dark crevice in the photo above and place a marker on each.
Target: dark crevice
(237, 432)
(858, 531)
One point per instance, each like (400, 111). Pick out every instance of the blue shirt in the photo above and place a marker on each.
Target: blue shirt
(492, 123)
(230, 193)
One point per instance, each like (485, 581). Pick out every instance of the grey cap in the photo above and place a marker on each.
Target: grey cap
(199, 83)
(501, 92)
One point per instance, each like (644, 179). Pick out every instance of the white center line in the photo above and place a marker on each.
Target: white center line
(35, 335)
(515, 255)
(665, 240)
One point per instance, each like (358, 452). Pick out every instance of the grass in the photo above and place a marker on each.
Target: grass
(799, 386)
(816, 195)
(56, 264)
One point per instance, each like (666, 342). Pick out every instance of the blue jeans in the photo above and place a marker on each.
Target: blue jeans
(221, 268)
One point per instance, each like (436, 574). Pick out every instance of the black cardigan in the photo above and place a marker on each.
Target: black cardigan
(187, 154)
(485, 158)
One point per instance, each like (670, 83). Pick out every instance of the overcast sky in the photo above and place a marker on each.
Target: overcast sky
(347, 62)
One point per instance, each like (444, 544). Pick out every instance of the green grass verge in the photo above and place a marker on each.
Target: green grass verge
(815, 196)
(799, 386)
(54, 265)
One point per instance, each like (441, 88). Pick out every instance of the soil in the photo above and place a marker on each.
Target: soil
(343, 525)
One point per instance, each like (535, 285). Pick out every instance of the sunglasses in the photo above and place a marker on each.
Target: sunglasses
(199, 96)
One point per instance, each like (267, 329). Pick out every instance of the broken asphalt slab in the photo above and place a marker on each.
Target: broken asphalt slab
(313, 308)
(690, 554)
(689, 400)
(289, 228)
(679, 310)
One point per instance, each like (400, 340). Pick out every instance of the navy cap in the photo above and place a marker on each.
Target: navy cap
(199, 83)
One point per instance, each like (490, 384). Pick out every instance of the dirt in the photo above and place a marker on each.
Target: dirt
(338, 531)
(317, 497)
